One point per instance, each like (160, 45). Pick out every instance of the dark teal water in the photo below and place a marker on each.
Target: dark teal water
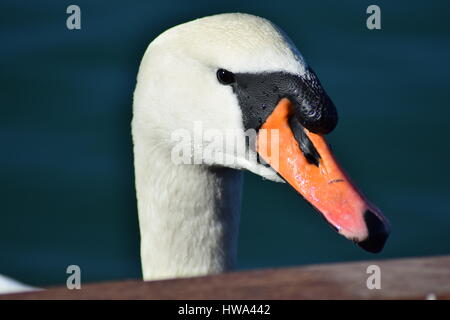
(67, 188)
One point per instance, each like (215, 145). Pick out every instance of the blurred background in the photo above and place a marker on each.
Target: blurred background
(66, 165)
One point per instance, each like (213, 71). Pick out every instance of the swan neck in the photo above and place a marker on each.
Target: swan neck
(188, 215)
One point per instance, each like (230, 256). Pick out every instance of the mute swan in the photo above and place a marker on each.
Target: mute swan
(231, 73)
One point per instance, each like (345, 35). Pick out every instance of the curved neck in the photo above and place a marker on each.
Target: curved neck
(188, 215)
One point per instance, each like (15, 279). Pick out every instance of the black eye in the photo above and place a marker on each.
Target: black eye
(225, 76)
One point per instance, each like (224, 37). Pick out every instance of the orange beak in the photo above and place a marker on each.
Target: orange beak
(320, 179)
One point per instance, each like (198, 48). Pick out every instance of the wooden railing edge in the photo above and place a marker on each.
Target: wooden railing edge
(406, 278)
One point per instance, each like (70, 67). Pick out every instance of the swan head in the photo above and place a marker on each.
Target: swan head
(232, 90)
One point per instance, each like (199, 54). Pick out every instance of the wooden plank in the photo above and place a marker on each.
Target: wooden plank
(400, 279)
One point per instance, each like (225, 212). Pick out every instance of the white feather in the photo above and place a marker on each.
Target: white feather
(8, 285)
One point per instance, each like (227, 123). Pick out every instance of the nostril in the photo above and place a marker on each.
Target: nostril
(378, 230)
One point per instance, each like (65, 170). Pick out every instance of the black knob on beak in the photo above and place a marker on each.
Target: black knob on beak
(314, 109)
(320, 117)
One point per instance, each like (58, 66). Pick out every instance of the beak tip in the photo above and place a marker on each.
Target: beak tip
(374, 243)
(378, 229)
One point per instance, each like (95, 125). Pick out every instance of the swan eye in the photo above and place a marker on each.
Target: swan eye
(225, 76)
